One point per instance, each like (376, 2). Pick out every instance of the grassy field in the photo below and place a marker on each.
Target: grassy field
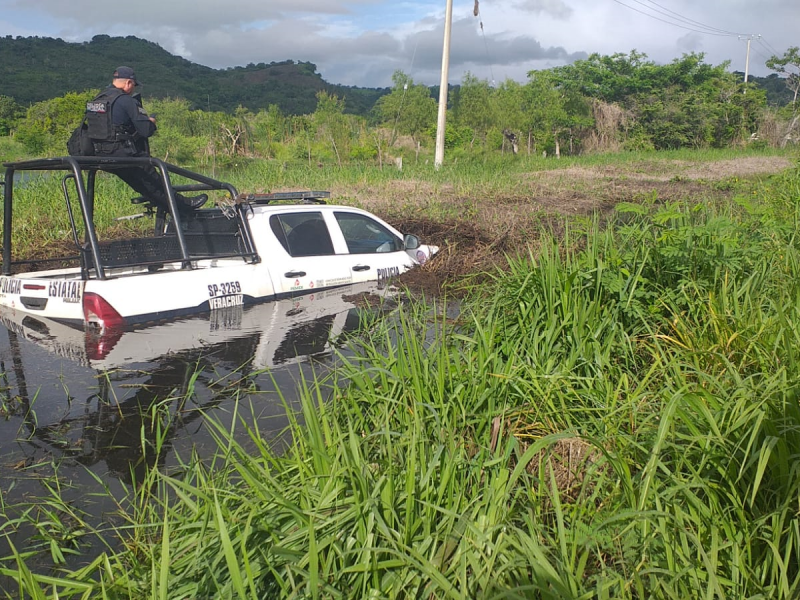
(614, 414)
(478, 212)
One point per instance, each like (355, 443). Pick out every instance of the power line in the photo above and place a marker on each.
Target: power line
(777, 54)
(766, 58)
(692, 21)
(706, 32)
(693, 25)
(768, 46)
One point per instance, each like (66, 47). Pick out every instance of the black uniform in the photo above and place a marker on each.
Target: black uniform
(119, 126)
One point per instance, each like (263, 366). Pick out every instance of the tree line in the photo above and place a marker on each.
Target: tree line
(617, 102)
(33, 69)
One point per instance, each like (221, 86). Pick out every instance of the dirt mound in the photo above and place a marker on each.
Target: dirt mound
(463, 249)
(674, 170)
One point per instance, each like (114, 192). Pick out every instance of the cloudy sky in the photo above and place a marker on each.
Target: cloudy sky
(362, 42)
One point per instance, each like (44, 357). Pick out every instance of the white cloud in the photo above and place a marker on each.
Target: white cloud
(554, 8)
(362, 42)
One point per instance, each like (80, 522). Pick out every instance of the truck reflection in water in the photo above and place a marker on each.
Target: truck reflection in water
(146, 392)
(116, 432)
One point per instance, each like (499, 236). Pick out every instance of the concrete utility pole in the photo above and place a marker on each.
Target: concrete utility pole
(747, 60)
(440, 122)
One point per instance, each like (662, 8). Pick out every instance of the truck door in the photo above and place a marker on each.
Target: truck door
(376, 252)
(310, 261)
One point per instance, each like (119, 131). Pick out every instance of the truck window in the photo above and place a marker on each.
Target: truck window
(365, 235)
(302, 234)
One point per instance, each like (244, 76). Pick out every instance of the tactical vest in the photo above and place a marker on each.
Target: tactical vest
(98, 118)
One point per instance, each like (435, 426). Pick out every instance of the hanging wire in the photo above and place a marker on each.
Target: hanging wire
(707, 31)
(674, 15)
(756, 51)
(771, 49)
(405, 89)
(476, 11)
(768, 46)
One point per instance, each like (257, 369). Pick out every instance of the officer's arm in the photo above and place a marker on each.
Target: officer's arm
(145, 127)
(140, 119)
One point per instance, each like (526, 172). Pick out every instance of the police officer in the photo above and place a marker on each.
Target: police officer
(119, 126)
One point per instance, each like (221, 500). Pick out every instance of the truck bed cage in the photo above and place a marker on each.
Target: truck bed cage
(184, 240)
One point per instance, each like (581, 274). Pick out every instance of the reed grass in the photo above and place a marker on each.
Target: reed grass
(616, 416)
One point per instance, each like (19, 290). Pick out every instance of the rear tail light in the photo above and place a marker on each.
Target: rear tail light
(99, 344)
(98, 312)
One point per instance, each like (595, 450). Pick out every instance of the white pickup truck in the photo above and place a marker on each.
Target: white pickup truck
(245, 249)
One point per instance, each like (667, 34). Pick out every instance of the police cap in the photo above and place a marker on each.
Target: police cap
(125, 73)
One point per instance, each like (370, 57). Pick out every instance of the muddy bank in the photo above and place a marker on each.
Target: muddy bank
(492, 228)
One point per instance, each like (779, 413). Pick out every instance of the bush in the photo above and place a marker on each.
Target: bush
(363, 152)
(11, 149)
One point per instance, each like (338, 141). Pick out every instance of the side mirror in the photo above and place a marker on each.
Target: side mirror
(411, 242)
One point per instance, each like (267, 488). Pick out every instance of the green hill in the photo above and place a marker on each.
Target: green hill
(778, 93)
(39, 68)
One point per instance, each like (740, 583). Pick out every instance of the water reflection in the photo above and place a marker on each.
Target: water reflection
(101, 405)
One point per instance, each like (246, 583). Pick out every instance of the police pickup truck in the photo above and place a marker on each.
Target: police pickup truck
(244, 249)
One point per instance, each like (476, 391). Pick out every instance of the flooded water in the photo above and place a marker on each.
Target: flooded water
(76, 409)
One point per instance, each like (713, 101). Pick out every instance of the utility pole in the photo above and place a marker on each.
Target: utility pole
(440, 122)
(747, 60)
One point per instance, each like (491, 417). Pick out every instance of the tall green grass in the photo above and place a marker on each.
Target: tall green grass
(459, 191)
(617, 416)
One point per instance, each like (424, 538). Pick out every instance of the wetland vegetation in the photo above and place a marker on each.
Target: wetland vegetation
(613, 413)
